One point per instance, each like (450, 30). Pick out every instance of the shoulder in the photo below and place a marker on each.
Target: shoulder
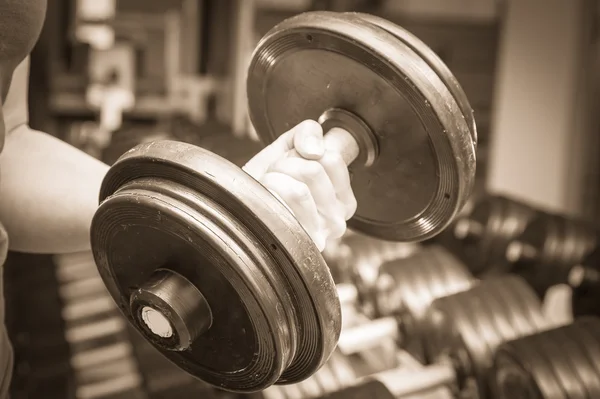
(16, 112)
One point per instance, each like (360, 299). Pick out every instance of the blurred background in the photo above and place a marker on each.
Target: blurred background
(109, 74)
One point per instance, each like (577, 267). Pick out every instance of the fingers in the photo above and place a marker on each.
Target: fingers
(307, 135)
(298, 197)
(312, 181)
(336, 169)
(308, 140)
(316, 179)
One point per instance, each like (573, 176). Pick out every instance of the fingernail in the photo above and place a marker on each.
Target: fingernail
(321, 242)
(314, 146)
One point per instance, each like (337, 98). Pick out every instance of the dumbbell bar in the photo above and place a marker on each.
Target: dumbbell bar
(404, 290)
(186, 239)
(563, 362)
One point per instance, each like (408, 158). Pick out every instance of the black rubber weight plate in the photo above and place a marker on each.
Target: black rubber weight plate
(473, 323)
(432, 59)
(426, 163)
(558, 363)
(171, 204)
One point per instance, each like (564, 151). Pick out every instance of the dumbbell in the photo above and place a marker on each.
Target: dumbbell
(404, 290)
(357, 254)
(585, 285)
(562, 362)
(214, 270)
(364, 256)
(548, 249)
(461, 334)
(486, 231)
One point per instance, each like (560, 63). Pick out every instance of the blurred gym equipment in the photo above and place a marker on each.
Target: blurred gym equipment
(486, 231)
(463, 331)
(546, 252)
(563, 362)
(402, 294)
(585, 283)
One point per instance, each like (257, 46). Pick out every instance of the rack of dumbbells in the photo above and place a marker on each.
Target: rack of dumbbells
(468, 323)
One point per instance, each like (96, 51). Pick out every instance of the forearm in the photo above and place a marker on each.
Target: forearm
(48, 193)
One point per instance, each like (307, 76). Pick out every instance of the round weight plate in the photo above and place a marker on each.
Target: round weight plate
(470, 325)
(336, 374)
(560, 363)
(585, 284)
(425, 167)
(406, 287)
(434, 62)
(273, 313)
(487, 231)
(553, 245)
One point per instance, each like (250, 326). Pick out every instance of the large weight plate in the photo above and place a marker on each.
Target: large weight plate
(485, 233)
(585, 284)
(563, 362)
(426, 163)
(470, 325)
(432, 59)
(552, 246)
(275, 312)
(407, 287)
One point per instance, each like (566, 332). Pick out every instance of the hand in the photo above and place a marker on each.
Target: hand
(312, 181)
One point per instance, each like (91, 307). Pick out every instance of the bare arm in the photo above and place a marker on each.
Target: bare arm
(48, 189)
(48, 193)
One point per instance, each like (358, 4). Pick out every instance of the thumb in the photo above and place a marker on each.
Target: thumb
(308, 140)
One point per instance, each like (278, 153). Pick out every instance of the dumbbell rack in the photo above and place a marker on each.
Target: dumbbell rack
(35, 327)
(71, 341)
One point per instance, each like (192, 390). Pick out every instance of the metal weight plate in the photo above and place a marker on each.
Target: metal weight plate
(563, 362)
(336, 374)
(184, 235)
(420, 171)
(406, 288)
(470, 325)
(434, 62)
(585, 284)
(403, 291)
(487, 230)
(549, 248)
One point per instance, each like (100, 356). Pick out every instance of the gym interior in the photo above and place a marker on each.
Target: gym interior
(470, 270)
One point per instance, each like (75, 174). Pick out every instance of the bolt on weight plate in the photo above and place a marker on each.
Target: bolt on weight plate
(486, 232)
(416, 149)
(563, 362)
(470, 325)
(185, 234)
